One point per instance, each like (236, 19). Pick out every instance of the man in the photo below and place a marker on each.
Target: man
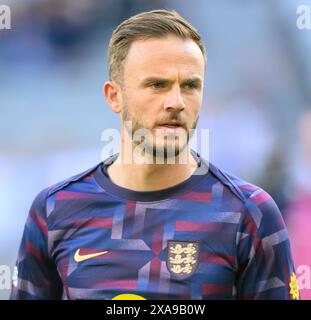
(155, 221)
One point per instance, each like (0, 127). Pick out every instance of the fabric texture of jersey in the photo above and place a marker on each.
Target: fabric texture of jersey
(213, 236)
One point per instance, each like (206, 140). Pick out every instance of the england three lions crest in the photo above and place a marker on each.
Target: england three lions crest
(182, 258)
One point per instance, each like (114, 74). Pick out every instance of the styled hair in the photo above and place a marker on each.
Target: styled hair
(147, 25)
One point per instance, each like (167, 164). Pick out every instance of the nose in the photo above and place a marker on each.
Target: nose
(174, 100)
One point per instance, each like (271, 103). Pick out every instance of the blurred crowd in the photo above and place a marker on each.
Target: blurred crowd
(53, 30)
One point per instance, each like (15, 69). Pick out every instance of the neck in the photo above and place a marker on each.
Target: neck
(151, 176)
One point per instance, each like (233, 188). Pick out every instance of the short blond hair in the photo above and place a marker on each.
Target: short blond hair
(147, 25)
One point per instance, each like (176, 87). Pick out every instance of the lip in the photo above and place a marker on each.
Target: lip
(171, 124)
(169, 128)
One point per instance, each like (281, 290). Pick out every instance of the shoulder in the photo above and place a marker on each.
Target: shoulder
(39, 203)
(240, 188)
(73, 179)
(258, 207)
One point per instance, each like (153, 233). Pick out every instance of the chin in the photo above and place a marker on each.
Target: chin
(169, 151)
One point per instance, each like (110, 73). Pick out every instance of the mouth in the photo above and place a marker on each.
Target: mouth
(171, 125)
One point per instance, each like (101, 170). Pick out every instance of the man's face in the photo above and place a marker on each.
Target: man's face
(162, 90)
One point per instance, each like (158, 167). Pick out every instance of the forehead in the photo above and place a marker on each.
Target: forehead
(163, 55)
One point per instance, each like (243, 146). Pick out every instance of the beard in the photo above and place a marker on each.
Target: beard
(157, 142)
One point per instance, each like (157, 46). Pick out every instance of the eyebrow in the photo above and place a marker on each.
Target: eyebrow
(152, 79)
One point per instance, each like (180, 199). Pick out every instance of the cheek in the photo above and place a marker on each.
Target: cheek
(194, 104)
(139, 101)
(144, 108)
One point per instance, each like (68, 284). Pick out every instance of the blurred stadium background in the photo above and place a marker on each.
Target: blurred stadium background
(257, 101)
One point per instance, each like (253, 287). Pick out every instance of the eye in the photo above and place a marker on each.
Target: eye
(191, 85)
(157, 85)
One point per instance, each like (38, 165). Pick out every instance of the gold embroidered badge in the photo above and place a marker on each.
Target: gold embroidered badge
(182, 258)
(294, 287)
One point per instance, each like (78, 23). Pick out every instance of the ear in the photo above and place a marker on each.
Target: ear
(112, 94)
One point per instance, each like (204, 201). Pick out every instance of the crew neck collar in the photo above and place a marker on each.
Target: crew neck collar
(103, 179)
